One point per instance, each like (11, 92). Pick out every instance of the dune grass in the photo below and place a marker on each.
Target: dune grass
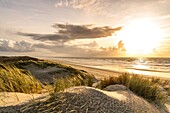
(80, 79)
(13, 79)
(164, 83)
(18, 75)
(39, 63)
(140, 85)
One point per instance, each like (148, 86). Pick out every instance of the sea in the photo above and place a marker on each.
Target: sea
(144, 66)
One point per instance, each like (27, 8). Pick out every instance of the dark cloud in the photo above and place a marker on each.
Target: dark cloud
(67, 32)
(46, 37)
(15, 46)
(85, 31)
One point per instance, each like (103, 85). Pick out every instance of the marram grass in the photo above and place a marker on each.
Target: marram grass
(164, 83)
(13, 79)
(82, 79)
(140, 85)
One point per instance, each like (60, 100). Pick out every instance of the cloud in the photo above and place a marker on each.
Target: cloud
(82, 50)
(77, 4)
(46, 37)
(93, 44)
(95, 6)
(119, 8)
(67, 32)
(85, 31)
(15, 46)
(121, 46)
(62, 3)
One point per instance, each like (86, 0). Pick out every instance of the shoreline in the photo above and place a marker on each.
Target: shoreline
(101, 73)
(98, 73)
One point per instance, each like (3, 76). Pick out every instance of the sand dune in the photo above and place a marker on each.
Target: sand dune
(90, 100)
(87, 98)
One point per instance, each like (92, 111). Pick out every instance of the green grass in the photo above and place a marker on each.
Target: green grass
(140, 85)
(13, 79)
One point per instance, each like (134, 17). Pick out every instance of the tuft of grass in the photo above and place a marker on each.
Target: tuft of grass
(73, 80)
(13, 79)
(140, 85)
(164, 83)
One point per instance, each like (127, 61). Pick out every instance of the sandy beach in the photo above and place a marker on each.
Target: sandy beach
(98, 73)
(101, 73)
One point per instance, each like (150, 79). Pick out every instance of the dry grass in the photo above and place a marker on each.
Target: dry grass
(39, 63)
(73, 80)
(140, 85)
(16, 78)
(164, 83)
(13, 79)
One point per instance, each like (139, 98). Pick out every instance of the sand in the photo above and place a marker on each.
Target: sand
(46, 74)
(11, 102)
(83, 99)
(101, 73)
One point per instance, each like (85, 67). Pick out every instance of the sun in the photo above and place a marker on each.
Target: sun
(140, 37)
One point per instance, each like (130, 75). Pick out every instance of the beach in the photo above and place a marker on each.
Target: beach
(101, 73)
(85, 56)
(98, 73)
(45, 70)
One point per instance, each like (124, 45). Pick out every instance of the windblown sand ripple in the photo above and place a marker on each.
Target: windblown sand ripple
(90, 100)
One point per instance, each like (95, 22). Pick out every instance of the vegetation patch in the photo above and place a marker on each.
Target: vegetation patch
(13, 79)
(41, 63)
(140, 85)
(10, 59)
(164, 83)
(84, 79)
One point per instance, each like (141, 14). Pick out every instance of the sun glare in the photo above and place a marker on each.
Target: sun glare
(140, 37)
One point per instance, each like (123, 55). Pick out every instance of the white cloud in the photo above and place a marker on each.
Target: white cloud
(15, 46)
(89, 6)
(62, 3)
(119, 8)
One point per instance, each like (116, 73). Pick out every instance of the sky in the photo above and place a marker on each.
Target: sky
(85, 28)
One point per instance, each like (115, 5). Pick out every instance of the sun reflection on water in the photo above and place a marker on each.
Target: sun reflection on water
(140, 67)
